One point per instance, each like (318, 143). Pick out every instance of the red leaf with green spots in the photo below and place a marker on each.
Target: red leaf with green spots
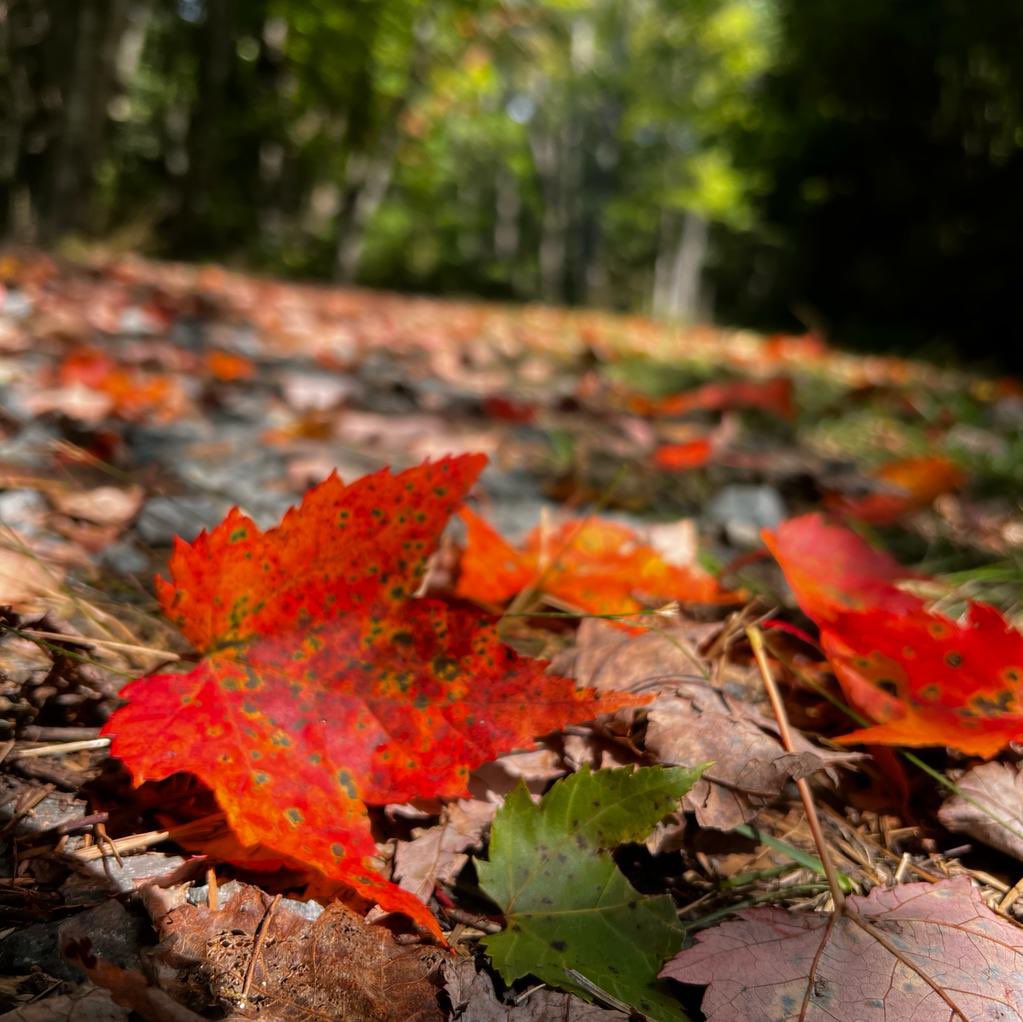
(925, 679)
(931, 681)
(325, 685)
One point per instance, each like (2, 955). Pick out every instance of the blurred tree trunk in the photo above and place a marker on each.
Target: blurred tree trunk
(59, 73)
(679, 269)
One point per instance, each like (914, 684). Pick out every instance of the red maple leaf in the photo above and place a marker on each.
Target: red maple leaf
(774, 395)
(597, 566)
(925, 679)
(325, 685)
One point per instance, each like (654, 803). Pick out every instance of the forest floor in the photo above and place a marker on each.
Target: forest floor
(141, 401)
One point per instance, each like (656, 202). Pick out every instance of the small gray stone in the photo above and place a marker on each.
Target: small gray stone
(163, 518)
(742, 511)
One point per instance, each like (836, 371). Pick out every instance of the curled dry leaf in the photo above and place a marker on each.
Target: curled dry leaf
(472, 996)
(770, 965)
(437, 854)
(335, 966)
(26, 581)
(750, 767)
(998, 787)
(700, 723)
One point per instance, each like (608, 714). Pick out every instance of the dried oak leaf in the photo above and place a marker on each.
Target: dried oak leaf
(594, 565)
(335, 966)
(771, 965)
(325, 685)
(998, 787)
(925, 679)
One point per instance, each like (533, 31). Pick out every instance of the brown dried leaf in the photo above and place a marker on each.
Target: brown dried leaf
(701, 722)
(334, 967)
(25, 581)
(105, 505)
(750, 766)
(437, 854)
(85, 1004)
(999, 788)
(473, 1000)
(772, 966)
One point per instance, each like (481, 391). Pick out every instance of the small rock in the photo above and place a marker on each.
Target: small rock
(163, 518)
(742, 511)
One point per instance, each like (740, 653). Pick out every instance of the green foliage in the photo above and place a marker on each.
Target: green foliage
(566, 903)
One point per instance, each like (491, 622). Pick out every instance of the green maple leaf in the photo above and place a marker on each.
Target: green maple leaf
(573, 919)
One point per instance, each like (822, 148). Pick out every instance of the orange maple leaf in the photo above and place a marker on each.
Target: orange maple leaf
(597, 566)
(774, 395)
(926, 680)
(913, 483)
(325, 685)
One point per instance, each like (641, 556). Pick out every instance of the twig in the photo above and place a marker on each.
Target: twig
(809, 806)
(61, 748)
(212, 892)
(257, 945)
(841, 907)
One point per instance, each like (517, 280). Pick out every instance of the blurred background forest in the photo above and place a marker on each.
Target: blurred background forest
(854, 168)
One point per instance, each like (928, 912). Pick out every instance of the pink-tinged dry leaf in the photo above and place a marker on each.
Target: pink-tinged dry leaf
(773, 966)
(997, 787)
(333, 966)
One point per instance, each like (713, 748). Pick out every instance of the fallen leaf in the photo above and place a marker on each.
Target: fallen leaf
(229, 367)
(691, 454)
(926, 680)
(325, 685)
(774, 965)
(910, 484)
(594, 565)
(473, 999)
(437, 854)
(832, 570)
(929, 680)
(568, 909)
(105, 505)
(774, 395)
(26, 581)
(332, 966)
(749, 766)
(998, 788)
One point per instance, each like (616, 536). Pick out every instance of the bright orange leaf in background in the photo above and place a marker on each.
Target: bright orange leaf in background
(593, 565)
(326, 685)
(926, 680)
(132, 393)
(690, 454)
(774, 395)
(832, 570)
(914, 482)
